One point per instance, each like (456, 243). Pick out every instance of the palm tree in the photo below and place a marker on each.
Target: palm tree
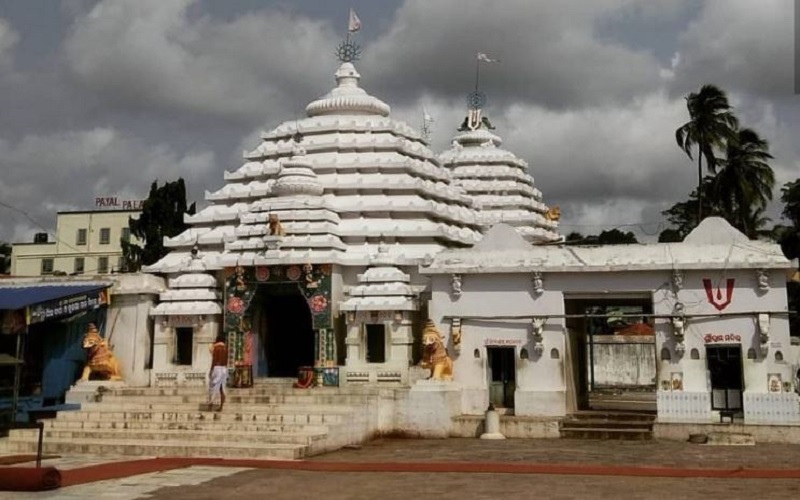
(745, 181)
(711, 123)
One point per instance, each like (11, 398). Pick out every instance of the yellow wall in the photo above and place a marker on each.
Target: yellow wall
(26, 258)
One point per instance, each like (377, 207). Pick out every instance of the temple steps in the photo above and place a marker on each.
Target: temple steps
(153, 448)
(230, 407)
(268, 421)
(215, 426)
(254, 415)
(618, 425)
(235, 398)
(171, 435)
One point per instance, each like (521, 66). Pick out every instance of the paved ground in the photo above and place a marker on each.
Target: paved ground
(597, 469)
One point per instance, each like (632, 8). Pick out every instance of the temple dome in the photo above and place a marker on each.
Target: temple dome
(347, 97)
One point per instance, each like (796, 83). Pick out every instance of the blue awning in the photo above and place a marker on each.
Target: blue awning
(19, 296)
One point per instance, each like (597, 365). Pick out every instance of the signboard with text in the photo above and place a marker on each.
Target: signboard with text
(722, 338)
(112, 202)
(67, 306)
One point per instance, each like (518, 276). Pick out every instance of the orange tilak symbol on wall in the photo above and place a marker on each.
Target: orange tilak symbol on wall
(716, 299)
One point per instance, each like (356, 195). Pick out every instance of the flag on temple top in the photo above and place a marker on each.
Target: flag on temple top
(484, 58)
(354, 24)
(426, 116)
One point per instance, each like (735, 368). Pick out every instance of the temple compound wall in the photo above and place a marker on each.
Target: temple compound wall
(714, 317)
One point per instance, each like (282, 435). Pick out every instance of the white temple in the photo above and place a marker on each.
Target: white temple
(343, 234)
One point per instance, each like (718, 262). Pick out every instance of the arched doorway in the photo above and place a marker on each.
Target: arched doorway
(284, 329)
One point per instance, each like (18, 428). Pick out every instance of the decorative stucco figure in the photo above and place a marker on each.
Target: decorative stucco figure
(538, 283)
(763, 280)
(275, 227)
(677, 279)
(455, 282)
(434, 354)
(553, 214)
(100, 361)
(455, 333)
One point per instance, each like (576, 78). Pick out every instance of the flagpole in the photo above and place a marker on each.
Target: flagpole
(477, 72)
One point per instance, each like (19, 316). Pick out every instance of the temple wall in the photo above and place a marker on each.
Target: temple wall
(129, 324)
(683, 380)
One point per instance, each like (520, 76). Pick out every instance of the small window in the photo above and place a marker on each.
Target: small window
(102, 265)
(694, 354)
(751, 353)
(80, 238)
(666, 355)
(47, 266)
(523, 353)
(184, 337)
(554, 354)
(778, 356)
(376, 343)
(125, 235)
(105, 236)
(79, 265)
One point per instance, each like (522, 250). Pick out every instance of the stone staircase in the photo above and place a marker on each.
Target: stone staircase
(619, 425)
(268, 421)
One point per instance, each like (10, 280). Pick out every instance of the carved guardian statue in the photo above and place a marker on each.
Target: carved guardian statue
(434, 354)
(100, 360)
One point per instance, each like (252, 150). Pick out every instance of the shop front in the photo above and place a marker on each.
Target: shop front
(43, 325)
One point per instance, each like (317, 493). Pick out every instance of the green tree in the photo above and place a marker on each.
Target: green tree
(790, 235)
(682, 216)
(161, 216)
(743, 187)
(670, 235)
(790, 244)
(711, 124)
(616, 237)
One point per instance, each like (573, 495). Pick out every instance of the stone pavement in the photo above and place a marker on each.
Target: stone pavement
(131, 488)
(472, 468)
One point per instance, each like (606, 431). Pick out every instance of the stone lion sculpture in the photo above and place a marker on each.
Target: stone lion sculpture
(100, 360)
(275, 227)
(553, 214)
(434, 354)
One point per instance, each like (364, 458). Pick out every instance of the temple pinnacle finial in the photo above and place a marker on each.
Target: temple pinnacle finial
(348, 50)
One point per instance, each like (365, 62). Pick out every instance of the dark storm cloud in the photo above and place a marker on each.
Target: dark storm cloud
(120, 93)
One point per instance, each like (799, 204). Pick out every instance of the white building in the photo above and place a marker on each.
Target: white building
(86, 242)
(716, 304)
(352, 189)
(343, 233)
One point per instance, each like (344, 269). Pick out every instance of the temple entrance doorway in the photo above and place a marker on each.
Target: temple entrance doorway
(283, 331)
(727, 379)
(502, 377)
(612, 353)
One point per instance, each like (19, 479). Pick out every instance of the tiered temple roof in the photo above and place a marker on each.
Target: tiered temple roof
(498, 181)
(194, 293)
(343, 181)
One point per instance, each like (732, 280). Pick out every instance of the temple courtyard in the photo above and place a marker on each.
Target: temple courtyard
(450, 468)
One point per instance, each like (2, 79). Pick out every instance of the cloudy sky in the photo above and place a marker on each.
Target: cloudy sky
(99, 98)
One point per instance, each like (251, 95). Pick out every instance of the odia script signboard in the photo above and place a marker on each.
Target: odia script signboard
(67, 306)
